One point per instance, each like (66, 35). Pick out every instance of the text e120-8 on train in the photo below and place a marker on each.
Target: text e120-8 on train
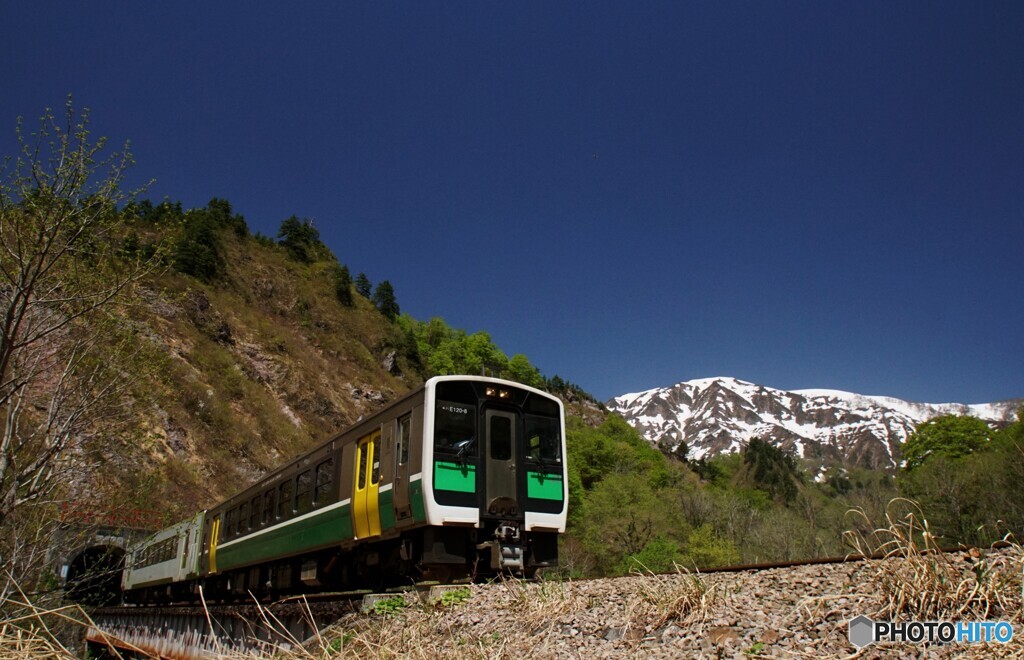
(464, 476)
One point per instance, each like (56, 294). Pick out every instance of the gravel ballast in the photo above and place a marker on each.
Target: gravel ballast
(801, 611)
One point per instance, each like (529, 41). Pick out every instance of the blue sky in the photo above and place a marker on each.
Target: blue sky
(799, 194)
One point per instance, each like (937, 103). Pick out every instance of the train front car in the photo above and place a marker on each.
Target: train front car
(494, 477)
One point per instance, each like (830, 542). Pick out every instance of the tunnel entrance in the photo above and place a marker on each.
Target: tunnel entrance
(94, 576)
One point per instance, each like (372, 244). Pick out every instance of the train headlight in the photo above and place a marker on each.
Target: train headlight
(495, 393)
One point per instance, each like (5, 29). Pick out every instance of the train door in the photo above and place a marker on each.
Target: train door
(403, 506)
(500, 497)
(365, 510)
(214, 540)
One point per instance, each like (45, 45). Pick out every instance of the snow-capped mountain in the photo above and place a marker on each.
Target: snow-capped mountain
(720, 415)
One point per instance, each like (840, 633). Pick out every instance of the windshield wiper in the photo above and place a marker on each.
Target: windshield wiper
(463, 449)
(546, 463)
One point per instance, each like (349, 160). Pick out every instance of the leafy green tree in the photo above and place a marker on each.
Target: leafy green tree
(384, 300)
(966, 478)
(704, 548)
(66, 345)
(951, 436)
(480, 355)
(520, 370)
(950, 492)
(659, 555)
(622, 515)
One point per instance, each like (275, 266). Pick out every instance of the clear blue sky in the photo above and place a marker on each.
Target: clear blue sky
(799, 194)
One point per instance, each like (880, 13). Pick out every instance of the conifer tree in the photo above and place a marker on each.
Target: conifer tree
(384, 299)
(363, 286)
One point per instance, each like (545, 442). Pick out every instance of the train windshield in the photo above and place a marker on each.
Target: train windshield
(543, 430)
(455, 429)
(543, 439)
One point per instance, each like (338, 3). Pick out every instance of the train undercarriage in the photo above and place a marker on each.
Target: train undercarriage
(431, 554)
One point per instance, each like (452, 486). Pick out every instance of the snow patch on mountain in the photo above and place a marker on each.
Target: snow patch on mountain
(710, 416)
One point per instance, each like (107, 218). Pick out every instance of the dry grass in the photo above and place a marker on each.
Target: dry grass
(683, 597)
(537, 605)
(917, 579)
(30, 631)
(525, 619)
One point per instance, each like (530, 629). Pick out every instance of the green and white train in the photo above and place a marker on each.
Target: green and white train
(464, 476)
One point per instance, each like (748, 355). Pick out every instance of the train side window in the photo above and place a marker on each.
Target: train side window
(243, 517)
(361, 469)
(324, 476)
(404, 433)
(229, 523)
(284, 499)
(254, 512)
(375, 476)
(268, 506)
(304, 492)
(184, 548)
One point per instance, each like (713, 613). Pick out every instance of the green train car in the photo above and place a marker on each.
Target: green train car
(465, 476)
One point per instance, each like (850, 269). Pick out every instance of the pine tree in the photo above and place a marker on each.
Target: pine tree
(363, 286)
(343, 286)
(384, 299)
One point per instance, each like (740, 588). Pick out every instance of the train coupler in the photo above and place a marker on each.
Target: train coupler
(506, 548)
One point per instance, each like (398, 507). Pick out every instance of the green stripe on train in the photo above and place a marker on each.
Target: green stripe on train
(419, 514)
(322, 529)
(386, 507)
(544, 486)
(452, 476)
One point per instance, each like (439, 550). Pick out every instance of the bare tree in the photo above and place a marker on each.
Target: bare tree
(65, 277)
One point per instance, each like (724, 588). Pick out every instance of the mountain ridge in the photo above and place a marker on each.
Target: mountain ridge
(706, 417)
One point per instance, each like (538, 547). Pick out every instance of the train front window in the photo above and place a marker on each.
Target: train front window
(501, 438)
(455, 429)
(543, 439)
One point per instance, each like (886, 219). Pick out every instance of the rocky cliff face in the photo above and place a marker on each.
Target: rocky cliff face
(703, 418)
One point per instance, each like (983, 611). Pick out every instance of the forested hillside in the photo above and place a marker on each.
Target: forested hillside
(259, 347)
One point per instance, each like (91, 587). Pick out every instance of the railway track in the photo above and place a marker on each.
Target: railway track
(192, 631)
(244, 628)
